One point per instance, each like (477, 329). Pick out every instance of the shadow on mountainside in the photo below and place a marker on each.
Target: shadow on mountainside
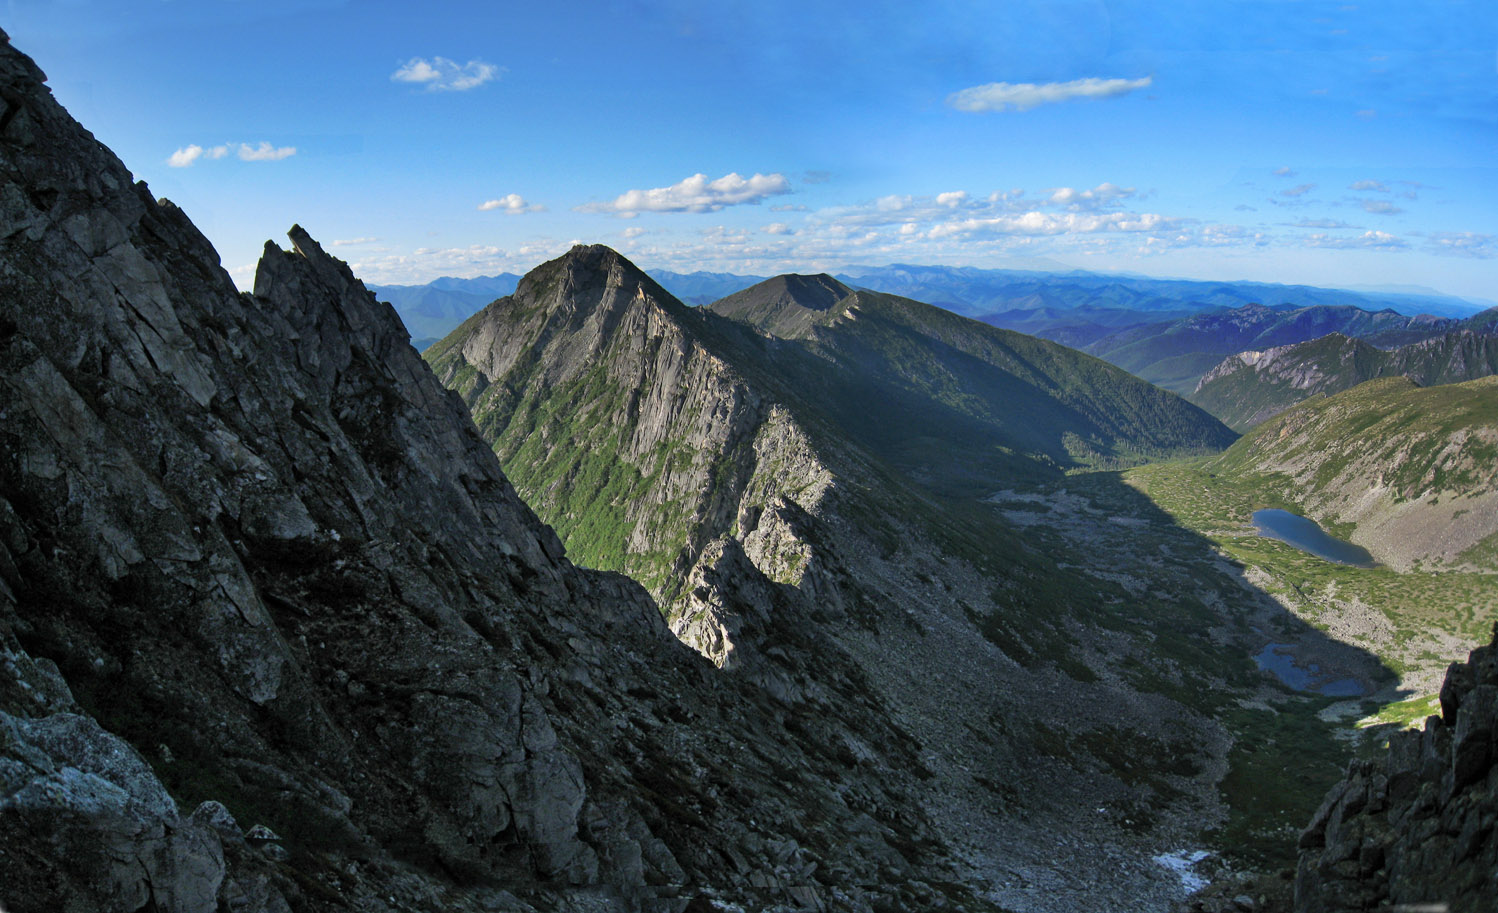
(1126, 566)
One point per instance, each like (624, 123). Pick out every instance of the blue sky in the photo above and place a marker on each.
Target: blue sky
(1326, 143)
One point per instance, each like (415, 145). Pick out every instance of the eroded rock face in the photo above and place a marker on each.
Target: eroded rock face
(1417, 831)
(256, 561)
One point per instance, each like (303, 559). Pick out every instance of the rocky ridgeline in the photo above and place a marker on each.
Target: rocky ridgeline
(1252, 387)
(1420, 830)
(276, 633)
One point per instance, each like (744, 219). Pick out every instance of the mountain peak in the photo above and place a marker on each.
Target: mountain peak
(787, 305)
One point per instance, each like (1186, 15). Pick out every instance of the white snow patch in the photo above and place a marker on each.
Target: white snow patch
(1182, 862)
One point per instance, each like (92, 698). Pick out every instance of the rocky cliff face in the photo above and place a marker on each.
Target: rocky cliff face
(639, 441)
(1416, 831)
(741, 474)
(258, 569)
(1251, 387)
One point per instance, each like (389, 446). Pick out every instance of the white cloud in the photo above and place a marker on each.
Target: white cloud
(1380, 207)
(632, 232)
(1463, 244)
(1078, 200)
(1054, 223)
(1022, 96)
(951, 199)
(442, 74)
(185, 156)
(350, 242)
(1368, 240)
(1299, 190)
(778, 228)
(1283, 172)
(697, 193)
(264, 152)
(512, 203)
(1322, 223)
(1368, 185)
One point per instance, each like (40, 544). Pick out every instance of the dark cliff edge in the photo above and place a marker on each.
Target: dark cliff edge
(277, 634)
(1416, 832)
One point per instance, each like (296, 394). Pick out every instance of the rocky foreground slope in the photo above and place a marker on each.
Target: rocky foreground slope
(1250, 387)
(1418, 829)
(276, 632)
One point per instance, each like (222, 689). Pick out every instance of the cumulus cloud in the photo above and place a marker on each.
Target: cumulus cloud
(777, 228)
(1368, 185)
(698, 193)
(1079, 200)
(632, 232)
(1380, 207)
(512, 203)
(1022, 96)
(264, 152)
(443, 75)
(951, 199)
(1368, 240)
(185, 156)
(1299, 190)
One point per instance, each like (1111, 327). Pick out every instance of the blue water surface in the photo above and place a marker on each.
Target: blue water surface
(1308, 537)
(1277, 661)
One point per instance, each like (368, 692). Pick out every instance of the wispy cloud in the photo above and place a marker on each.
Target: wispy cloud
(443, 75)
(1368, 240)
(1463, 244)
(1283, 171)
(1299, 190)
(1380, 207)
(698, 193)
(351, 242)
(1369, 186)
(264, 152)
(1022, 96)
(512, 203)
(1322, 223)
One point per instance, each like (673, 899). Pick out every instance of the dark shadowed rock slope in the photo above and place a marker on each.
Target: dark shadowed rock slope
(257, 568)
(1418, 829)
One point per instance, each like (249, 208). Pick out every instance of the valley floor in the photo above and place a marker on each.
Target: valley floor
(1172, 548)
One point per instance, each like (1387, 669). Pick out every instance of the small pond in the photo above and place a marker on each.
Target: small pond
(1277, 661)
(1307, 536)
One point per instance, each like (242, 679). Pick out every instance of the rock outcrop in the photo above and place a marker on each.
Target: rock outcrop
(1419, 830)
(1251, 387)
(277, 633)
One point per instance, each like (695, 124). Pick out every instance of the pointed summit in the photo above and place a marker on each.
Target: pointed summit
(785, 306)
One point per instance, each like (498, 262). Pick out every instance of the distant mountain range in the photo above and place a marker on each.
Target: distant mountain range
(1074, 308)
(1250, 387)
(1176, 353)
